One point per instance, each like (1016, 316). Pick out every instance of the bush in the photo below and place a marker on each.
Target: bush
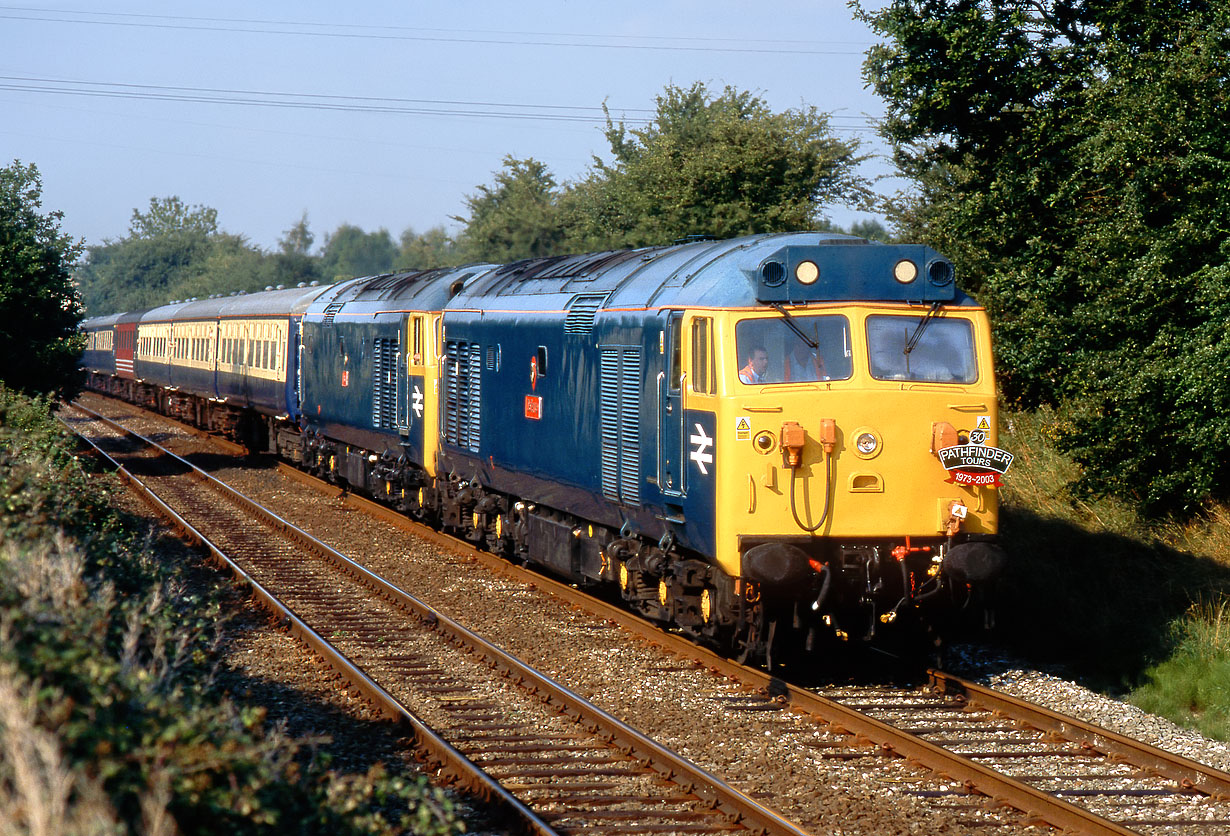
(107, 716)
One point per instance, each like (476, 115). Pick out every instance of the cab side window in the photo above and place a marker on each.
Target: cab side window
(704, 379)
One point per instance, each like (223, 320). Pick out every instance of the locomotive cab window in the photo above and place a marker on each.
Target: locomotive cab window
(675, 377)
(416, 342)
(800, 348)
(703, 376)
(926, 350)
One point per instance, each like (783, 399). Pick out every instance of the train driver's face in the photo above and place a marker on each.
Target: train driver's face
(760, 361)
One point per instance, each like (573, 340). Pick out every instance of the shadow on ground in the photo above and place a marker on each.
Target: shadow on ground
(1100, 605)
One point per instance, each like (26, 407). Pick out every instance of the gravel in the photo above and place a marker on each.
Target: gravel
(1059, 693)
(776, 757)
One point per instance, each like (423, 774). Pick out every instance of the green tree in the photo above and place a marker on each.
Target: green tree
(1072, 158)
(298, 239)
(351, 252)
(39, 307)
(134, 273)
(433, 248)
(516, 218)
(170, 216)
(872, 230)
(722, 165)
(173, 251)
(293, 263)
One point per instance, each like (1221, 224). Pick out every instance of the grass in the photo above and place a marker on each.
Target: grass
(1190, 686)
(1136, 607)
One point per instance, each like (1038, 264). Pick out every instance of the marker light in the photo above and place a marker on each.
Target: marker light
(807, 272)
(905, 271)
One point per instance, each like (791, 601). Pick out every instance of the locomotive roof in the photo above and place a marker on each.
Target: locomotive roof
(753, 271)
(424, 290)
(783, 268)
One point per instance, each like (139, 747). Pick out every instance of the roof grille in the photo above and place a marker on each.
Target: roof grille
(331, 311)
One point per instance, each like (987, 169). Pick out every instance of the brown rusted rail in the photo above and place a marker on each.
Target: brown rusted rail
(425, 738)
(717, 807)
(976, 778)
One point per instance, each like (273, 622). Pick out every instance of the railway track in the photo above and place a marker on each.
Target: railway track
(554, 761)
(988, 754)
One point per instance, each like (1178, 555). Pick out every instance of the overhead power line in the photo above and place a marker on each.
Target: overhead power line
(363, 104)
(606, 40)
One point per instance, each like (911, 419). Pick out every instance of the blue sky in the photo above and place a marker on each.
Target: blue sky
(378, 114)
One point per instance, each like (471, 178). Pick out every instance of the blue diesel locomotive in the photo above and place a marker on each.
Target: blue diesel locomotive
(776, 439)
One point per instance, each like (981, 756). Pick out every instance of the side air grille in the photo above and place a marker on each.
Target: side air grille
(386, 384)
(581, 313)
(619, 407)
(462, 394)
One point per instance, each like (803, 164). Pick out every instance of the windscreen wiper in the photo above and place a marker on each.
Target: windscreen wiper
(796, 329)
(912, 342)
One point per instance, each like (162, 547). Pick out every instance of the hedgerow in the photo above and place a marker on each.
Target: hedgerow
(108, 723)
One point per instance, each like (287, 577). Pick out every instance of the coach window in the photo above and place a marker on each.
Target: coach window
(703, 377)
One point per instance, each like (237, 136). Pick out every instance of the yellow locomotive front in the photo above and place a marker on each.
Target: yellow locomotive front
(857, 481)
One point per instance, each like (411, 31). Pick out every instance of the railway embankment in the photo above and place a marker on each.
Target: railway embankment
(132, 694)
(120, 691)
(1132, 606)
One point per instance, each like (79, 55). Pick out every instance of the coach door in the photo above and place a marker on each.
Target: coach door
(671, 473)
(125, 349)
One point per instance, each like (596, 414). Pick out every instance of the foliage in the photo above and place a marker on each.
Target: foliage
(351, 252)
(433, 248)
(172, 252)
(293, 263)
(39, 308)
(1093, 586)
(872, 230)
(723, 165)
(298, 239)
(516, 218)
(1071, 158)
(107, 717)
(170, 216)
